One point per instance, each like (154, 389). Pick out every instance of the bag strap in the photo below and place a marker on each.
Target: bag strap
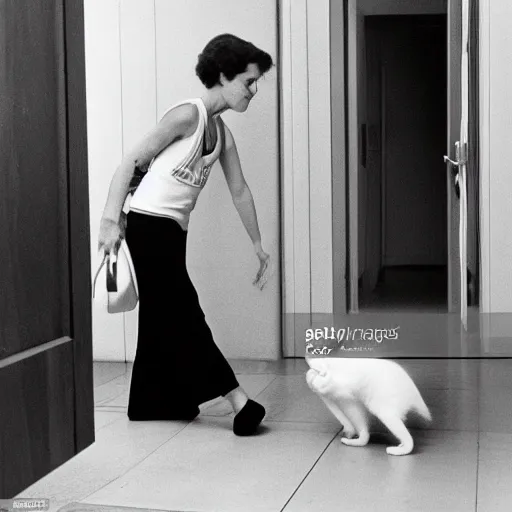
(112, 273)
(97, 274)
(111, 262)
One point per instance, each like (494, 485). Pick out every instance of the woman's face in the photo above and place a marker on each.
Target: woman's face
(239, 92)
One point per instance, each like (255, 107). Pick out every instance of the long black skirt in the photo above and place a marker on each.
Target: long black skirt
(177, 363)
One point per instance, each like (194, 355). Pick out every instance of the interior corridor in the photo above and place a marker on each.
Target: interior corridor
(409, 288)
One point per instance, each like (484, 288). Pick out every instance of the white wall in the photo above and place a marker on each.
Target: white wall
(306, 166)
(105, 144)
(140, 58)
(497, 121)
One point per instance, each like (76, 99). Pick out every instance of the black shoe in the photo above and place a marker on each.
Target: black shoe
(248, 419)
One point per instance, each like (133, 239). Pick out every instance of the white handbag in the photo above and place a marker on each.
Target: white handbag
(115, 284)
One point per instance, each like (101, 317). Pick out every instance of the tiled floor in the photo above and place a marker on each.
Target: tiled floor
(462, 462)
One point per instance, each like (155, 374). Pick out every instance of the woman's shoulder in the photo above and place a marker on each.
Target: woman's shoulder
(184, 112)
(184, 116)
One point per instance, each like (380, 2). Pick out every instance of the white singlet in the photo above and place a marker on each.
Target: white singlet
(177, 175)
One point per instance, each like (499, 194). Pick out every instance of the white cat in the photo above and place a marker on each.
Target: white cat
(351, 387)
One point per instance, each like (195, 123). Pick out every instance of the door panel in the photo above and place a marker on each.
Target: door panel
(46, 399)
(473, 158)
(461, 203)
(37, 432)
(32, 209)
(454, 48)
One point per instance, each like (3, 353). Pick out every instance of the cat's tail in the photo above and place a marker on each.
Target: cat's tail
(421, 408)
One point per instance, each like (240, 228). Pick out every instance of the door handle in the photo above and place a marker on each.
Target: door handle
(455, 164)
(460, 156)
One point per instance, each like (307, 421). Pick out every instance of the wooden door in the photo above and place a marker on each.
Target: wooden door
(46, 388)
(454, 48)
(463, 165)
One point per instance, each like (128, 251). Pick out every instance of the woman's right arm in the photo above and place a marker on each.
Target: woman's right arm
(178, 123)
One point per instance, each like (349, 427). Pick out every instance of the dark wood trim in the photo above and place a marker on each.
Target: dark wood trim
(474, 145)
(63, 177)
(79, 229)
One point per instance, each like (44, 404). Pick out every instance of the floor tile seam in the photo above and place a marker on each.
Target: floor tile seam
(411, 429)
(96, 430)
(479, 382)
(310, 422)
(137, 464)
(96, 386)
(100, 409)
(106, 404)
(266, 387)
(122, 376)
(107, 401)
(301, 483)
(111, 399)
(115, 362)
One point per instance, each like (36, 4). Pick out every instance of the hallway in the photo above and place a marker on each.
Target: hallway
(408, 288)
(461, 462)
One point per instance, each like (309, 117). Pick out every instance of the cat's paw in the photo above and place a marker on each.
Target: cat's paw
(401, 449)
(310, 377)
(361, 440)
(348, 433)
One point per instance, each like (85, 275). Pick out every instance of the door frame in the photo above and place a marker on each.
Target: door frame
(316, 280)
(79, 229)
(484, 47)
(313, 201)
(453, 292)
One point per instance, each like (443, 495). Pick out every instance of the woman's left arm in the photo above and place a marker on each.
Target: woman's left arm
(241, 195)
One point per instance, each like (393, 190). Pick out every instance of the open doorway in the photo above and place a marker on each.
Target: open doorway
(403, 212)
(403, 194)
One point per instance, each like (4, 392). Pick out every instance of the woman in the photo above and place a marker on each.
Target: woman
(177, 364)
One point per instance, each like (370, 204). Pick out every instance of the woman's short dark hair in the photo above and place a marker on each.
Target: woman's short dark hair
(230, 55)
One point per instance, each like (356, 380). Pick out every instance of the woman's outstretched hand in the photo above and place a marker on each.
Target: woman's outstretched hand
(111, 233)
(261, 277)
